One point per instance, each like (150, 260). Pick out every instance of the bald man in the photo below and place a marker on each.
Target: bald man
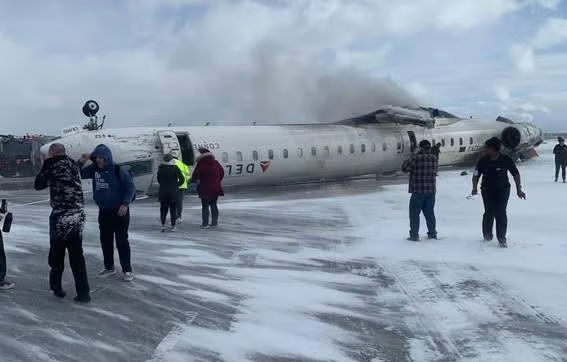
(66, 222)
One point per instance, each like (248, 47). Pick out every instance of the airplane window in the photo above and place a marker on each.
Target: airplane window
(399, 145)
(433, 142)
(314, 151)
(285, 153)
(340, 149)
(326, 151)
(384, 146)
(300, 152)
(255, 155)
(271, 154)
(239, 156)
(373, 147)
(460, 141)
(471, 140)
(224, 157)
(351, 148)
(363, 148)
(443, 142)
(452, 142)
(138, 168)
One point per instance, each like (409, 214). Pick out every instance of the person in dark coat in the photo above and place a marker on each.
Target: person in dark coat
(495, 189)
(208, 174)
(170, 178)
(436, 150)
(4, 283)
(560, 152)
(66, 222)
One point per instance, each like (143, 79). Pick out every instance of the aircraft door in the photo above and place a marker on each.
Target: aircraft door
(413, 141)
(170, 143)
(399, 143)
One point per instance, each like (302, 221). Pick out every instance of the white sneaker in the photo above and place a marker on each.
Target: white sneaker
(179, 221)
(163, 228)
(5, 285)
(106, 272)
(173, 228)
(128, 276)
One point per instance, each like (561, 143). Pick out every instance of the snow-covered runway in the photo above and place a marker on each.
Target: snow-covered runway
(306, 274)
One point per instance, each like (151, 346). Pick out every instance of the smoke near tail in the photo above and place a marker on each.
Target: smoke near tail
(276, 88)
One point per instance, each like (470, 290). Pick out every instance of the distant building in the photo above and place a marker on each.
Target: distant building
(19, 156)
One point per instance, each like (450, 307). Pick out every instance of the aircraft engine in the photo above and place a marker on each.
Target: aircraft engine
(511, 137)
(521, 139)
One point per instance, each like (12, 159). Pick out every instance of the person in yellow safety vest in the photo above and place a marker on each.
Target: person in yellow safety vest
(185, 170)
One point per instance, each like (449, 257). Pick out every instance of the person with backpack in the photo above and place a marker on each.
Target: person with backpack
(170, 178)
(113, 191)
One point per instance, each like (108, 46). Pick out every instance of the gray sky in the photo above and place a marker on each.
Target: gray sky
(151, 62)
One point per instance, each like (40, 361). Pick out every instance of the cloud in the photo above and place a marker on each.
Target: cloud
(502, 93)
(151, 62)
(523, 58)
(551, 33)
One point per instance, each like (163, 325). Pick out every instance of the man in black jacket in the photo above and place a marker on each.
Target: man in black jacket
(560, 152)
(66, 222)
(495, 189)
(170, 178)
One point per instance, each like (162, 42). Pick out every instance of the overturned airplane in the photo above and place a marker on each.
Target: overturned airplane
(370, 144)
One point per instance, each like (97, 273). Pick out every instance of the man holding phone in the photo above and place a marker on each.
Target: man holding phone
(4, 284)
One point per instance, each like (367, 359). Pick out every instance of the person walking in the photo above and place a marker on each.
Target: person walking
(170, 178)
(113, 191)
(495, 189)
(66, 222)
(208, 174)
(560, 152)
(422, 168)
(436, 150)
(186, 172)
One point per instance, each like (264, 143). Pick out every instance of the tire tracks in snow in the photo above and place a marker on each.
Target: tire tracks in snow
(461, 315)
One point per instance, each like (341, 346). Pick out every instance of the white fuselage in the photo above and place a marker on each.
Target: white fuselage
(274, 155)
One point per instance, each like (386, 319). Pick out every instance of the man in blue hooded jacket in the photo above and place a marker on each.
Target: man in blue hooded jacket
(113, 191)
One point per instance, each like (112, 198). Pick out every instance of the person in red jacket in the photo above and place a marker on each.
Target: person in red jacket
(208, 174)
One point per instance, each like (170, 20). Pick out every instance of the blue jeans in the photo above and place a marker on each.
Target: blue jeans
(425, 203)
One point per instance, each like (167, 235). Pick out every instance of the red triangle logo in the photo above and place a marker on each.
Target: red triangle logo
(265, 165)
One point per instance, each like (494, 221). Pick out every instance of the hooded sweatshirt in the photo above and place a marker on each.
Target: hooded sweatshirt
(109, 191)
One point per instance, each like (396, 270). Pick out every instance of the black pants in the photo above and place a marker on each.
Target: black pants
(111, 225)
(562, 165)
(66, 234)
(170, 206)
(495, 204)
(212, 204)
(2, 259)
(179, 207)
